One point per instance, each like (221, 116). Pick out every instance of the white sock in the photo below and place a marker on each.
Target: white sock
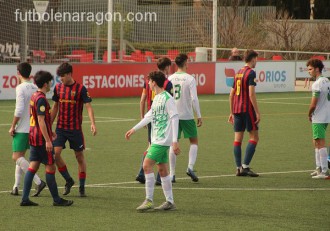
(18, 176)
(150, 185)
(323, 159)
(167, 188)
(172, 162)
(24, 164)
(317, 158)
(192, 156)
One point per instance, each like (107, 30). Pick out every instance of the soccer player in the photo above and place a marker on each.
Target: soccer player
(186, 100)
(147, 96)
(20, 127)
(70, 97)
(319, 115)
(164, 129)
(40, 138)
(244, 113)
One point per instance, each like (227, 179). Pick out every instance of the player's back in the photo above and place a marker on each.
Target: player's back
(183, 84)
(321, 89)
(24, 92)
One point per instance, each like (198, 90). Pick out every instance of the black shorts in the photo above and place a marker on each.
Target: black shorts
(75, 138)
(39, 153)
(245, 120)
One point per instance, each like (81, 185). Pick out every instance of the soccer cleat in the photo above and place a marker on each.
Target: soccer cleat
(166, 206)
(192, 175)
(239, 172)
(322, 175)
(39, 188)
(63, 202)
(141, 179)
(28, 203)
(158, 180)
(82, 191)
(173, 179)
(68, 186)
(14, 192)
(248, 172)
(147, 205)
(316, 172)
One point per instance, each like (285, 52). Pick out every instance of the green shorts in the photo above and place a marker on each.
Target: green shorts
(158, 153)
(319, 130)
(20, 142)
(188, 127)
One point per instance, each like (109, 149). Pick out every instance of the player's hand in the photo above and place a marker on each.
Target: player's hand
(54, 136)
(93, 129)
(176, 148)
(12, 131)
(231, 119)
(258, 118)
(129, 133)
(199, 122)
(49, 146)
(310, 118)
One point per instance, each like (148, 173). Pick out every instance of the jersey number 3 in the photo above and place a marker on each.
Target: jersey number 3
(177, 91)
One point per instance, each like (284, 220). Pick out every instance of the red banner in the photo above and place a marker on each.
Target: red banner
(121, 80)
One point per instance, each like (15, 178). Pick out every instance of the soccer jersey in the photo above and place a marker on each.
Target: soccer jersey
(244, 78)
(22, 109)
(71, 101)
(321, 90)
(185, 95)
(151, 94)
(39, 106)
(162, 110)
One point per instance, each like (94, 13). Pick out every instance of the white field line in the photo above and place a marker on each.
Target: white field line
(119, 184)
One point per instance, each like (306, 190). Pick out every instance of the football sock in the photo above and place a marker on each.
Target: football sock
(24, 164)
(324, 159)
(172, 162)
(249, 152)
(317, 158)
(82, 179)
(192, 155)
(64, 172)
(150, 185)
(51, 183)
(28, 183)
(238, 153)
(18, 176)
(167, 188)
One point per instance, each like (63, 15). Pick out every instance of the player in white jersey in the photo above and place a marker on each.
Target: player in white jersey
(186, 100)
(20, 127)
(319, 115)
(164, 120)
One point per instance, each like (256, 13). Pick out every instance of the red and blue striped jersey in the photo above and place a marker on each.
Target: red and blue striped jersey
(39, 106)
(151, 94)
(244, 78)
(71, 101)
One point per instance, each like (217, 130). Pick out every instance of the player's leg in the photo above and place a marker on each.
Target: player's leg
(239, 128)
(172, 155)
(319, 131)
(81, 171)
(140, 176)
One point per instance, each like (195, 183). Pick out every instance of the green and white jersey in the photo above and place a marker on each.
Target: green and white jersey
(162, 110)
(22, 107)
(185, 95)
(321, 90)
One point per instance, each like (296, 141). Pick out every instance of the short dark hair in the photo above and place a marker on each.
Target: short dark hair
(24, 69)
(249, 55)
(316, 63)
(158, 77)
(163, 63)
(181, 59)
(42, 77)
(64, 68)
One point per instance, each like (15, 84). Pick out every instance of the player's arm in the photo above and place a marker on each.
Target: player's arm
(19, 109)
(43, 128)
(231, 100)
(53, 112)
(147, 119)
(312, 105)
(90, 112)
(253, 99)
(143, 101)
(195, 102)
(174, 120)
